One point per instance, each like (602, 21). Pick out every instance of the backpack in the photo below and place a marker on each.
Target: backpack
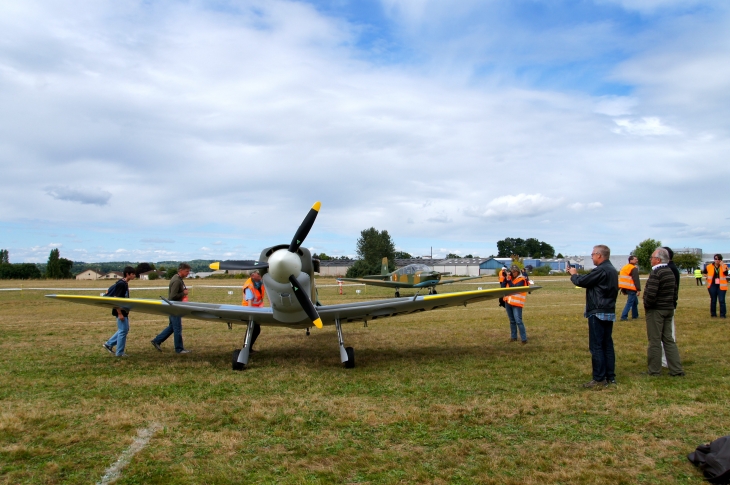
(714, 460)
(112, 291)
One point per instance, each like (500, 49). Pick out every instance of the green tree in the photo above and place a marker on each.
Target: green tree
(560, 256)
(53, 268)
(524, 247)
(402, 255)
(453, 256)
(65, 265)
(687, 261)
(4, 256)
(643, 252)
(372, 247)
(170, 273)
(153, 276)
(470, 256)
(323, 257)
(145, 267)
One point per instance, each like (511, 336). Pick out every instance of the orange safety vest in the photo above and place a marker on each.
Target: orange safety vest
(517, 299)
(258, 295)
(625, 281)
(502, 276)
(711, 276)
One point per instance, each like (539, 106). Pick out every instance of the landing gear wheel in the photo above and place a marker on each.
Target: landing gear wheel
(434, 291)
(397, 294)
(350, 358)
(234, 361)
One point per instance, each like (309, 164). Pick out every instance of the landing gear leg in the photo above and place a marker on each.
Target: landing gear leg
(240, 356)
(347, 354)
(397, 292)
(307, 331)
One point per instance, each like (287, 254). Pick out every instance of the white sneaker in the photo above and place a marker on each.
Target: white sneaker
(184, 351)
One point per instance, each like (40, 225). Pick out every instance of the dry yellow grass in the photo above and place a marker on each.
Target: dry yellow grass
(440, 397)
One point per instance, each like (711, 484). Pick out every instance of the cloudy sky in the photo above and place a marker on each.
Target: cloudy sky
(153, 130)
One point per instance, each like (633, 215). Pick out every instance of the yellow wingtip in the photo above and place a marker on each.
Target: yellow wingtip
(318, 323)
(317, 205)
(215, 266)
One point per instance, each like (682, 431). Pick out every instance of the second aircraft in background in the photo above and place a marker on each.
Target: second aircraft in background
(411, 276)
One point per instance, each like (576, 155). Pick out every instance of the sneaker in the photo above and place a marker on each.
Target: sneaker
(681, 374)
(156, 345)
(513, 340)
(594, 383)
(108, 348)
(624, 319)
(184, 351)
(610, 382)
(524, 342)
(123, 355)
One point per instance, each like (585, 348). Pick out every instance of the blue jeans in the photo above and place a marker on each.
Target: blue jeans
(120, 337)
(600, 343)
(633, 304)
(514, 313)
(175, 328)
(717, 294)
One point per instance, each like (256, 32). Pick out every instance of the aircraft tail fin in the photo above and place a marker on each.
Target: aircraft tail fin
(384, 268)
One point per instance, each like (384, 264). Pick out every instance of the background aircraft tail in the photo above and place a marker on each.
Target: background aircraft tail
(384, 267)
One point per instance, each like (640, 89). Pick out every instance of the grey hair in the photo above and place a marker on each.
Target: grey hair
(662, 254)
(603, 251)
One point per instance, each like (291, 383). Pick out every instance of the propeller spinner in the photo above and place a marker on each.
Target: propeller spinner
(284, 265)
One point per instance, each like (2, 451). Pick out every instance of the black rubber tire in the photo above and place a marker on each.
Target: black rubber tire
(350, 358)
(234, 361)
(397, 294)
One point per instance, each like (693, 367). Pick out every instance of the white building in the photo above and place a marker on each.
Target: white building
(89, 274)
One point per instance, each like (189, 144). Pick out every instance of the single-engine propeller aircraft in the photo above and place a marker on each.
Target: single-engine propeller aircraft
(287, 270)
(411, 276)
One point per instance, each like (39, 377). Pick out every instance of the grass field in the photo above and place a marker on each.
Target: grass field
(438, 397)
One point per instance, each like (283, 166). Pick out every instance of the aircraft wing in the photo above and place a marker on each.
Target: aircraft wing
(389, 284)
(374, 309)
(346, 312)
(446, 282)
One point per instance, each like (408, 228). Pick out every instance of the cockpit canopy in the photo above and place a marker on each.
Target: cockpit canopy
(414, 268)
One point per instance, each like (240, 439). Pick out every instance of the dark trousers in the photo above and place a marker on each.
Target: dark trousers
(659, 333)
(715, 295)
(255, 333)
(699, 281)
(600, 343)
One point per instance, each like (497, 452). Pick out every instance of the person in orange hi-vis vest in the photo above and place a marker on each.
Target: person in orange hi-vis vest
(717, 285)
(253, 295)
(515, 303)
(629, 284)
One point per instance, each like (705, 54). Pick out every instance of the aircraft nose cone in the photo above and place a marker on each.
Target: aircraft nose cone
(282, 264)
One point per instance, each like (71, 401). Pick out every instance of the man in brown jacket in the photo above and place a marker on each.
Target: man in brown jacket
(660, 294)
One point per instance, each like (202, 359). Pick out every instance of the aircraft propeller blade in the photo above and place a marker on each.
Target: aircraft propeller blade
(305, 302)
(304, 228)
(239, 265)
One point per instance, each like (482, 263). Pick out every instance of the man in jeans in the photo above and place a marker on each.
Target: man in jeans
(120, 290)
(629, 284)
(601, 286)
(177, 292)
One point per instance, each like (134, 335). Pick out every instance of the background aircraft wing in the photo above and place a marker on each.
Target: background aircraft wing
(389, 284)
(446, 282)
(346, 312)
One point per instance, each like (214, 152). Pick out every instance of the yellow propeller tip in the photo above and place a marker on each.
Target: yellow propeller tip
(215, 266)
(318, 323)
(317, 205)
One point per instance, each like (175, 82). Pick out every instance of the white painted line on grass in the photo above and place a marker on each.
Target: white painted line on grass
(144, 436)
